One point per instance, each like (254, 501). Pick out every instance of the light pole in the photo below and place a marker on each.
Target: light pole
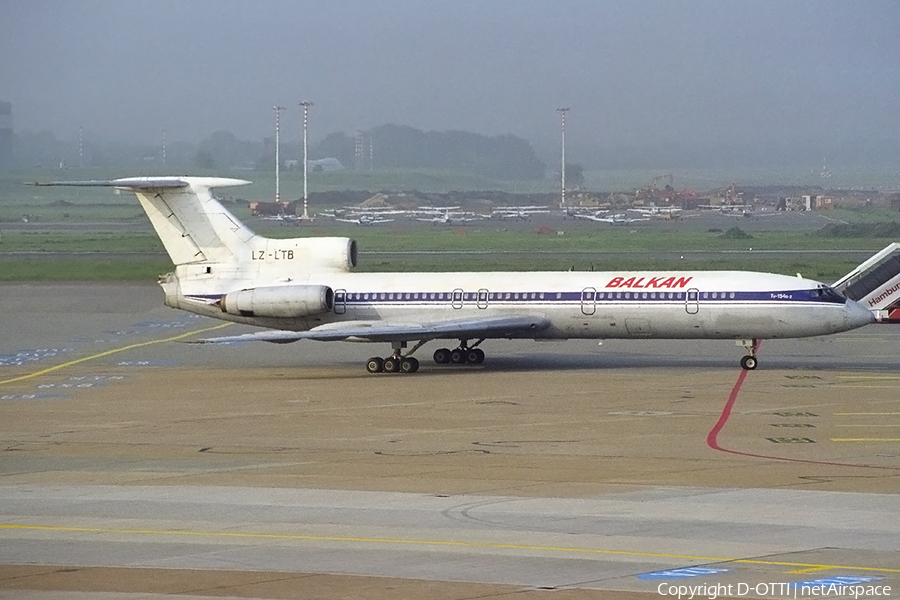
(277, 110)
(562, 198)
(305, 104)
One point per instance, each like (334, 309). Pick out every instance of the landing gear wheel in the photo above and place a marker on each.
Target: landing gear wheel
(375, 365)
(392, 364)
(441, 356)
(475, 356)
(748, 363)
(409, 365)
(458, 356)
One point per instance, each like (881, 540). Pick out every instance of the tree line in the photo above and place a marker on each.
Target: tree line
(505, 157)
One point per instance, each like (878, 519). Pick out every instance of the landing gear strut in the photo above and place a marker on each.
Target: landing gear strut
(462, 355)
(397, 362)
(748, 363)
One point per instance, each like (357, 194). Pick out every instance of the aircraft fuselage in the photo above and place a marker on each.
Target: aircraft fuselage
(602, 305)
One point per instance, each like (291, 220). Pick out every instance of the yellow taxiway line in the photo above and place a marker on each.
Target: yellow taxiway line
(809, 567)
(108, 352)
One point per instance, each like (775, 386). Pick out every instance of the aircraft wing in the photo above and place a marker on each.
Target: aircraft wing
(379, 331)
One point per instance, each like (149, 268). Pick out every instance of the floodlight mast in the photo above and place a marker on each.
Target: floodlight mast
(277, 110)
(305, 104)
(562, 170)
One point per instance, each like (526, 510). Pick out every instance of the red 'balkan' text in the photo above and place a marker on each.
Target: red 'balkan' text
(649, 282)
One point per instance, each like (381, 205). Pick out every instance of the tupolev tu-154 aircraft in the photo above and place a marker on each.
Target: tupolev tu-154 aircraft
(305, 288)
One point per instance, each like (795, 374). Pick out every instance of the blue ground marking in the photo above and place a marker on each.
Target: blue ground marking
(147, 363)
(23, 357)
(839, 581)
(145, 327)
(31, 396)
(681, 573)
(83, 381)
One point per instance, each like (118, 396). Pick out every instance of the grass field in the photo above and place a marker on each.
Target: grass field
(138, 256)
(472, 239)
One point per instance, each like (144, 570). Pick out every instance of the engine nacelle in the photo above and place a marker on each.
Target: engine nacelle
(329, 253)
(310, 254)
(284, 301)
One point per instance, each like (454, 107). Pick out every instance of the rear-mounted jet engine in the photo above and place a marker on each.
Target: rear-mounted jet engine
(285, 301)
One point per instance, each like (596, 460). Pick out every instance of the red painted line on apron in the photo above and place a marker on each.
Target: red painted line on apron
(712, 439)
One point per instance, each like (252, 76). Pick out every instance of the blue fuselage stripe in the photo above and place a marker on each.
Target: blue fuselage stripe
(550, 298)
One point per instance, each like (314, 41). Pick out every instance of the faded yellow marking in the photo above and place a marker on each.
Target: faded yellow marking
(864, 413)
(864, 425)
(848, 386)
(328, 538)
(108, 352)
(865, 439)
(867, 376)
(809, 570)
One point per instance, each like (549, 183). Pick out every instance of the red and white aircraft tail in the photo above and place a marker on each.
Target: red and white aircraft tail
(876, 284)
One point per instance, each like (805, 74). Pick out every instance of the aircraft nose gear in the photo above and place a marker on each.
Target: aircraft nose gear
(462, 355)
(396, 363)
(748, 363)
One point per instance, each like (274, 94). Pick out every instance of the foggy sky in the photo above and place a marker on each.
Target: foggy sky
(637, 72)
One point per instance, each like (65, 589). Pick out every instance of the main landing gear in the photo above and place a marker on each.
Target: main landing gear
(397, 362)
(462, 355)
(748, 363)
(392, 364)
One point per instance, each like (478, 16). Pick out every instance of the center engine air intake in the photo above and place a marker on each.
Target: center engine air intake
(285, 301)
(322, 254)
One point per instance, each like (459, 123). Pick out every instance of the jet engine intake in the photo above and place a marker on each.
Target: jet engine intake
(285, 301)
(318, 254)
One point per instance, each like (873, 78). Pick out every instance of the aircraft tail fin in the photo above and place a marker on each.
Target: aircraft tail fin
(194, 227)
(876, 283)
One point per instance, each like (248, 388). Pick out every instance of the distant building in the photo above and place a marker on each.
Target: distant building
(325, 164)
(6, 135)
(322, 164)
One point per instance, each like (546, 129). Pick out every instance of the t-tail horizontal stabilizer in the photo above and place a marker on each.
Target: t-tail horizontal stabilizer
(193, 226)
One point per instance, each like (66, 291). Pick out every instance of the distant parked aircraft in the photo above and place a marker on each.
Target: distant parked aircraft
(617, 219)
(659, 212)
(449, 218)
(364, 220)
(521, 213)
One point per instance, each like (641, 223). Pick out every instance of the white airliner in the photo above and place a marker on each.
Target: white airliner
(520, 213)
(661, 212)
(304, 288)
(364, 220)
(449, 218)
(617, 219)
